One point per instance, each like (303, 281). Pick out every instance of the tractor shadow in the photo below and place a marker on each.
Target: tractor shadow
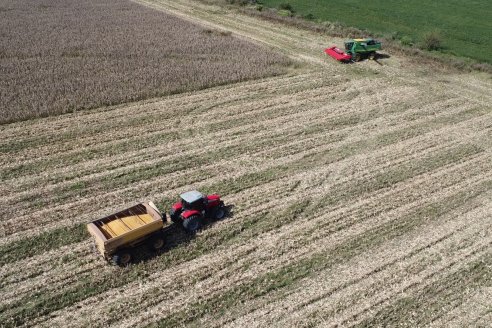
(176, 236)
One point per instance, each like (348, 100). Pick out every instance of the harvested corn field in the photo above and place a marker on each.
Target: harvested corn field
(362, 197)
(77, 54)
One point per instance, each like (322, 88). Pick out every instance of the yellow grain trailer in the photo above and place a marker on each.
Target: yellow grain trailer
(116, 236)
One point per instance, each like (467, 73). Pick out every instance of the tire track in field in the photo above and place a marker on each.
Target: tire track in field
(268, 242)
(46, 127)
(299, 44)
(62, 207)
(318, 173)
(157, 311)
(474, 312)
(387, 157)
(353, 287)
(271, 35)
(229, 134)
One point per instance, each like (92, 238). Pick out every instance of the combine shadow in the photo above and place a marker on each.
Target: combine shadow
(175, 236)
(376, 59)
(381, 56)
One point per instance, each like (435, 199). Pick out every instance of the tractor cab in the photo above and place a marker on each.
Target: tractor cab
(193, 200)
(194, 207)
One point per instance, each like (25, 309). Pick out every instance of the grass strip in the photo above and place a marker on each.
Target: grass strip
(399, 173)
(435, 300)
(42, 243)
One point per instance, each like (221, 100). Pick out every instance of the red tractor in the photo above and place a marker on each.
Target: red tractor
(194, 207)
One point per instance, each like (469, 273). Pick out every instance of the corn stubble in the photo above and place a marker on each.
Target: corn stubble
(72, 55)
(361, 197)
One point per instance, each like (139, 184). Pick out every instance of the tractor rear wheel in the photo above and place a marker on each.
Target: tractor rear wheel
(122, 258)
(174, 215)
(192, 224)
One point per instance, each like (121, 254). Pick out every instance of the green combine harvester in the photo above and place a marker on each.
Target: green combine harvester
(355, 50)
(362, 48)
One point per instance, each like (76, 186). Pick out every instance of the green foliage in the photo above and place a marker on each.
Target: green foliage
(464, 26)
(432, 41)
(286, 6)
(406, 40)
(285, 13)
(309, 16)
(239, 2)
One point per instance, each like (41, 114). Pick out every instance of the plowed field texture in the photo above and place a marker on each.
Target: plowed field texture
(360, 194)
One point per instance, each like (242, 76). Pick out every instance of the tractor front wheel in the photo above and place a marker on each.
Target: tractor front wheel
(192, 224)
(219, 213)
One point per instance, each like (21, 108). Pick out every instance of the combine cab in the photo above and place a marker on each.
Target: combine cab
(194, 207)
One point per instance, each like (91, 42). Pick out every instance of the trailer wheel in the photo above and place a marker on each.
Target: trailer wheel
(122, 258)
(192, 224)
(156, 242)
